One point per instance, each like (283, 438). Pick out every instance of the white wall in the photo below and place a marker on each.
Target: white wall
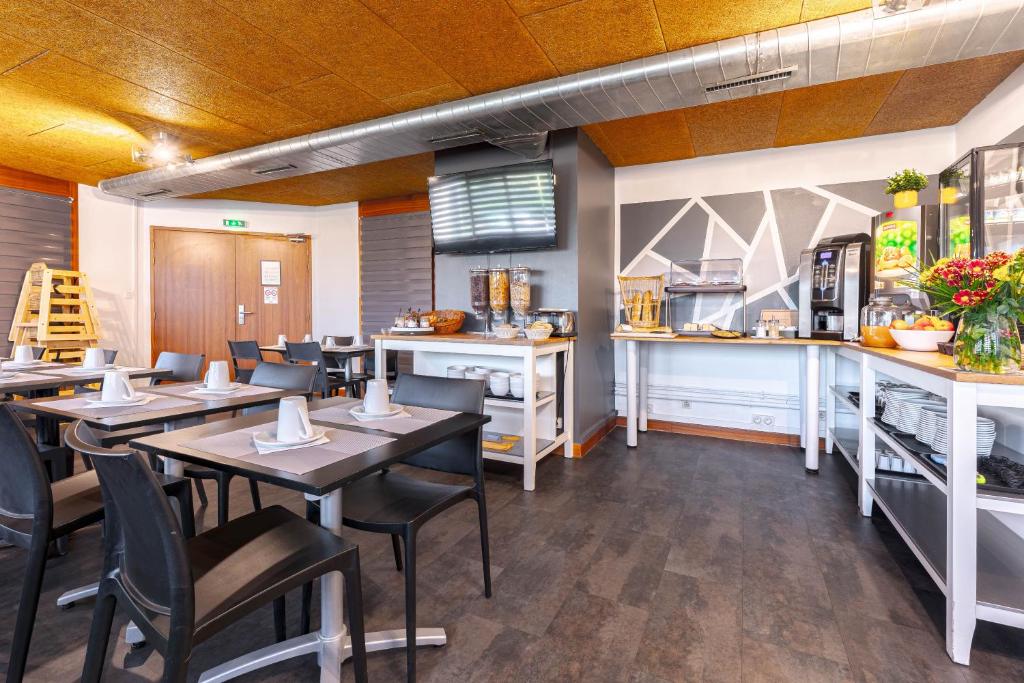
(995, 117)
(114, 250)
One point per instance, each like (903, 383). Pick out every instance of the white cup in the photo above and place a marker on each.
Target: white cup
(94, 358)
(376, 401)
(116, 387)
(308, 338)
(358, 340)
(281, 339)
(293, 420)
(217, 376)
(330, 342)
(23, 354)
(499, 382)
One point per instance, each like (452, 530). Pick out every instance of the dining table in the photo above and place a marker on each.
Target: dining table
(320, 473)
(340, 353)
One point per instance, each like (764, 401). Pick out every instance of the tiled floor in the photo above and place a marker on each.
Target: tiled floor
(687, 559)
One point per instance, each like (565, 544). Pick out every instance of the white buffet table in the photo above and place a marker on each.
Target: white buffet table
(547, 369)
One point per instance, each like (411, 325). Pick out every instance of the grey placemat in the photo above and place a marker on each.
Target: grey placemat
(82, 406)
(238, 445)
(418, 418)
(24, 377)
(187, 389)
(78, 371)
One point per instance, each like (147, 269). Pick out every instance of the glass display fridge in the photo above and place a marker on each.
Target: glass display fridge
(982, 202)
(902, 241)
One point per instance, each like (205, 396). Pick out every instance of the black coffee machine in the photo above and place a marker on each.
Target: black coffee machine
(834, 287)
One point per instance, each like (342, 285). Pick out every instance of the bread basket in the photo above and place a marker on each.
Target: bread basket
(447, 321)
(538, 332)
(510, 332)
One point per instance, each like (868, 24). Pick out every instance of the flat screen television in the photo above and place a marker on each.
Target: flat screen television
(509, 208)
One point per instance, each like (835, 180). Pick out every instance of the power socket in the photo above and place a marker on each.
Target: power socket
(685, 405)
(760, 419)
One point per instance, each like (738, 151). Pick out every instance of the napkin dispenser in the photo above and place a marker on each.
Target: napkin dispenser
(562, 320)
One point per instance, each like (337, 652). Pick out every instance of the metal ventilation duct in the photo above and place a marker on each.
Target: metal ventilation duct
(823, 51)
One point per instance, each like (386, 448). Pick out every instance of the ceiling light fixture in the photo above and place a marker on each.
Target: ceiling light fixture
(887, 8)
(163, 152)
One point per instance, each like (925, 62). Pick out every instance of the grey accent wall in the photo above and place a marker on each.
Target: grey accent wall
(33, 227)
(576, 275)
(395, 261)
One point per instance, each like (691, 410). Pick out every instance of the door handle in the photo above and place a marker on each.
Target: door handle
(242, 313)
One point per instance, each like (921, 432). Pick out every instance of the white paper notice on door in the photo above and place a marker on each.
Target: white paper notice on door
(270, 295)
(270, 273)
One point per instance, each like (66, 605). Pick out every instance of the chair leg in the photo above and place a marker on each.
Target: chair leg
(304, 615)
(410, 604)
(201, 490)
(223, 494)
(398, 551)
(485, 549)
(99, 636)
(356, 629)
(280, 628)
(254, 491)
(27, 608)
(188, 513)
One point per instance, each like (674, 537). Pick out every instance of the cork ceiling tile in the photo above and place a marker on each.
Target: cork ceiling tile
(525, 7)
(914, 103)
(349, 39)
(832, 111)
(693, 22)
(494, 48)
(446, 92)
(14, 52)
(333, 101)
(226, 43)
(645, 139)
(592, 33)
(89, 39)
(734, 125)
(25, 111)
(819, 9)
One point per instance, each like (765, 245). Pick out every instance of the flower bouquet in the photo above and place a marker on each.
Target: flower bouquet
(986, 294)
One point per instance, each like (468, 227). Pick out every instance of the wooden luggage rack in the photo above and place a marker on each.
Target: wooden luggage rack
(56, 310)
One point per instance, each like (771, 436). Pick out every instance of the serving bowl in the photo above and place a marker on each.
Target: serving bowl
(921, 340)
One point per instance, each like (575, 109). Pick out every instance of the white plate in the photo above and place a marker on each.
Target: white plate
(412, 330)
(24, 366)
(100, 403)
(229, 389)
(268, 440)
(8, 375)
(360, 414)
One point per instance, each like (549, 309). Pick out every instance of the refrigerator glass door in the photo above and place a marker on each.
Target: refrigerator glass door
(955, 198)
(1003, 200)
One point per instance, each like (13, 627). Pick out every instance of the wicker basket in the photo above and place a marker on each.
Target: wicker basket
(641, 299)
(447, 321)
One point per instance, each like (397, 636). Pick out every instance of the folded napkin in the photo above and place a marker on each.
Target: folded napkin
(373, 418)
(266, 450)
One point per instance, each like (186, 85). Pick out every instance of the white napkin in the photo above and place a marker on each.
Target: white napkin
(265, 450)
(214, 392)
(373, 418)
(140, 400)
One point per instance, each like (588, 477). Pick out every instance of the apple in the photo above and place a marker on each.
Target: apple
(900, 324)
(945, 325)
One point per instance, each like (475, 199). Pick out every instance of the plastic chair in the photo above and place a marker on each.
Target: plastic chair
(244, 351)
(395, 504)
(180, 593)
(329, 379)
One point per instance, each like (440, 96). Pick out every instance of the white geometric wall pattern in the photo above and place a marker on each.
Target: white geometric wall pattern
(767, 229)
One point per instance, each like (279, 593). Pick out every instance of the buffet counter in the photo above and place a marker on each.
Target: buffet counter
(522, 430)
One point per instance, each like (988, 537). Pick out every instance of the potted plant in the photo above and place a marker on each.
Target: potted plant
(904, 186)
(949, 188)
(987, 295)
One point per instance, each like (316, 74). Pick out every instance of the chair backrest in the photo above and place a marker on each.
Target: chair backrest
(109, 355)
(24, 487)
(338, 339)
(245, 350)
(309, 352)
(460, 455)
(285, 376)
(184, 367)
(391, 363)
(143, 542)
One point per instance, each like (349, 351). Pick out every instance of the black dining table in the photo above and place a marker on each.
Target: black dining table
(340, 353)
(325, 483)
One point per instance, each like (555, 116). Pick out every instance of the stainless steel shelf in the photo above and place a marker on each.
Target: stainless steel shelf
(705, 289)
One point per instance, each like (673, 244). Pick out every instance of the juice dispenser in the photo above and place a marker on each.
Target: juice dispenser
(904, 240)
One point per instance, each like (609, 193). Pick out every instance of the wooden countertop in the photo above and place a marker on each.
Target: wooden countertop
(935, 363)
(465, 338)
(749, 341)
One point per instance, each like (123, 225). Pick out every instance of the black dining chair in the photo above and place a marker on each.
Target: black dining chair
(273, 375)
(396, 504)
(244, 351)
(390, 365)
(329, 379)
(34, 513)
(340, 340)
(181, 592)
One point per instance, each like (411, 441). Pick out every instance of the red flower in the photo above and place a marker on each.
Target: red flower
(963, 297)
(998, 258)
(976, 267)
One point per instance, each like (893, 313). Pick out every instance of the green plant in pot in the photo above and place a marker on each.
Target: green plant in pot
(987, 295)
(904, 186)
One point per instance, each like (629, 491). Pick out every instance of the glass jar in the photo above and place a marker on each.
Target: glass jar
(498, 290)
(875, 319)
(519, 285)
(987, 342)
(479, 290)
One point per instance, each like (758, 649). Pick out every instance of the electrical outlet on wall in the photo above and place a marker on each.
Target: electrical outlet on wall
(761, 419)
(685, 405)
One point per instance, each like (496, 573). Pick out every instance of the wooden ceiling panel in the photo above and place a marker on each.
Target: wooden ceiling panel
(693, 22)
(941, 95)
(591, 33)
(225, 44)
(350, 40)
(14, 52)
(819, 9)
(87, 38)
(662, 137)
(832, 111)
(495, 50)
(447, 92)
(333, 101)
(734, 125)
(525, 7)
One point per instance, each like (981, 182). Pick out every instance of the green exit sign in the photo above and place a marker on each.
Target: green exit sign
(234, 223)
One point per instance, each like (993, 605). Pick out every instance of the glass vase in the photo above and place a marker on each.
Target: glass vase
(987, 342)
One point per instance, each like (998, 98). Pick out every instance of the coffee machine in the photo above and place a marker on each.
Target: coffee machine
(834, 281)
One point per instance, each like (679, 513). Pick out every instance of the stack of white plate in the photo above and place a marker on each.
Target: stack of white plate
(500, 383)
(985, 433)
(909, 416)
(893, 397)
(928, 425)
(456, 371)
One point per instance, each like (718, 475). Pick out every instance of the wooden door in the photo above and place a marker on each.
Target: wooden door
(200, 277)
(269, 313)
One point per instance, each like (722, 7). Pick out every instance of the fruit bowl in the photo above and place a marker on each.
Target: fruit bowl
(921, 340)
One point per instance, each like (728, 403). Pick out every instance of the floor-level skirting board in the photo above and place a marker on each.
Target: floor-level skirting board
(750, 435)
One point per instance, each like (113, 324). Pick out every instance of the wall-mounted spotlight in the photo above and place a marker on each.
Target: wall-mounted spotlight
(163, 152)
